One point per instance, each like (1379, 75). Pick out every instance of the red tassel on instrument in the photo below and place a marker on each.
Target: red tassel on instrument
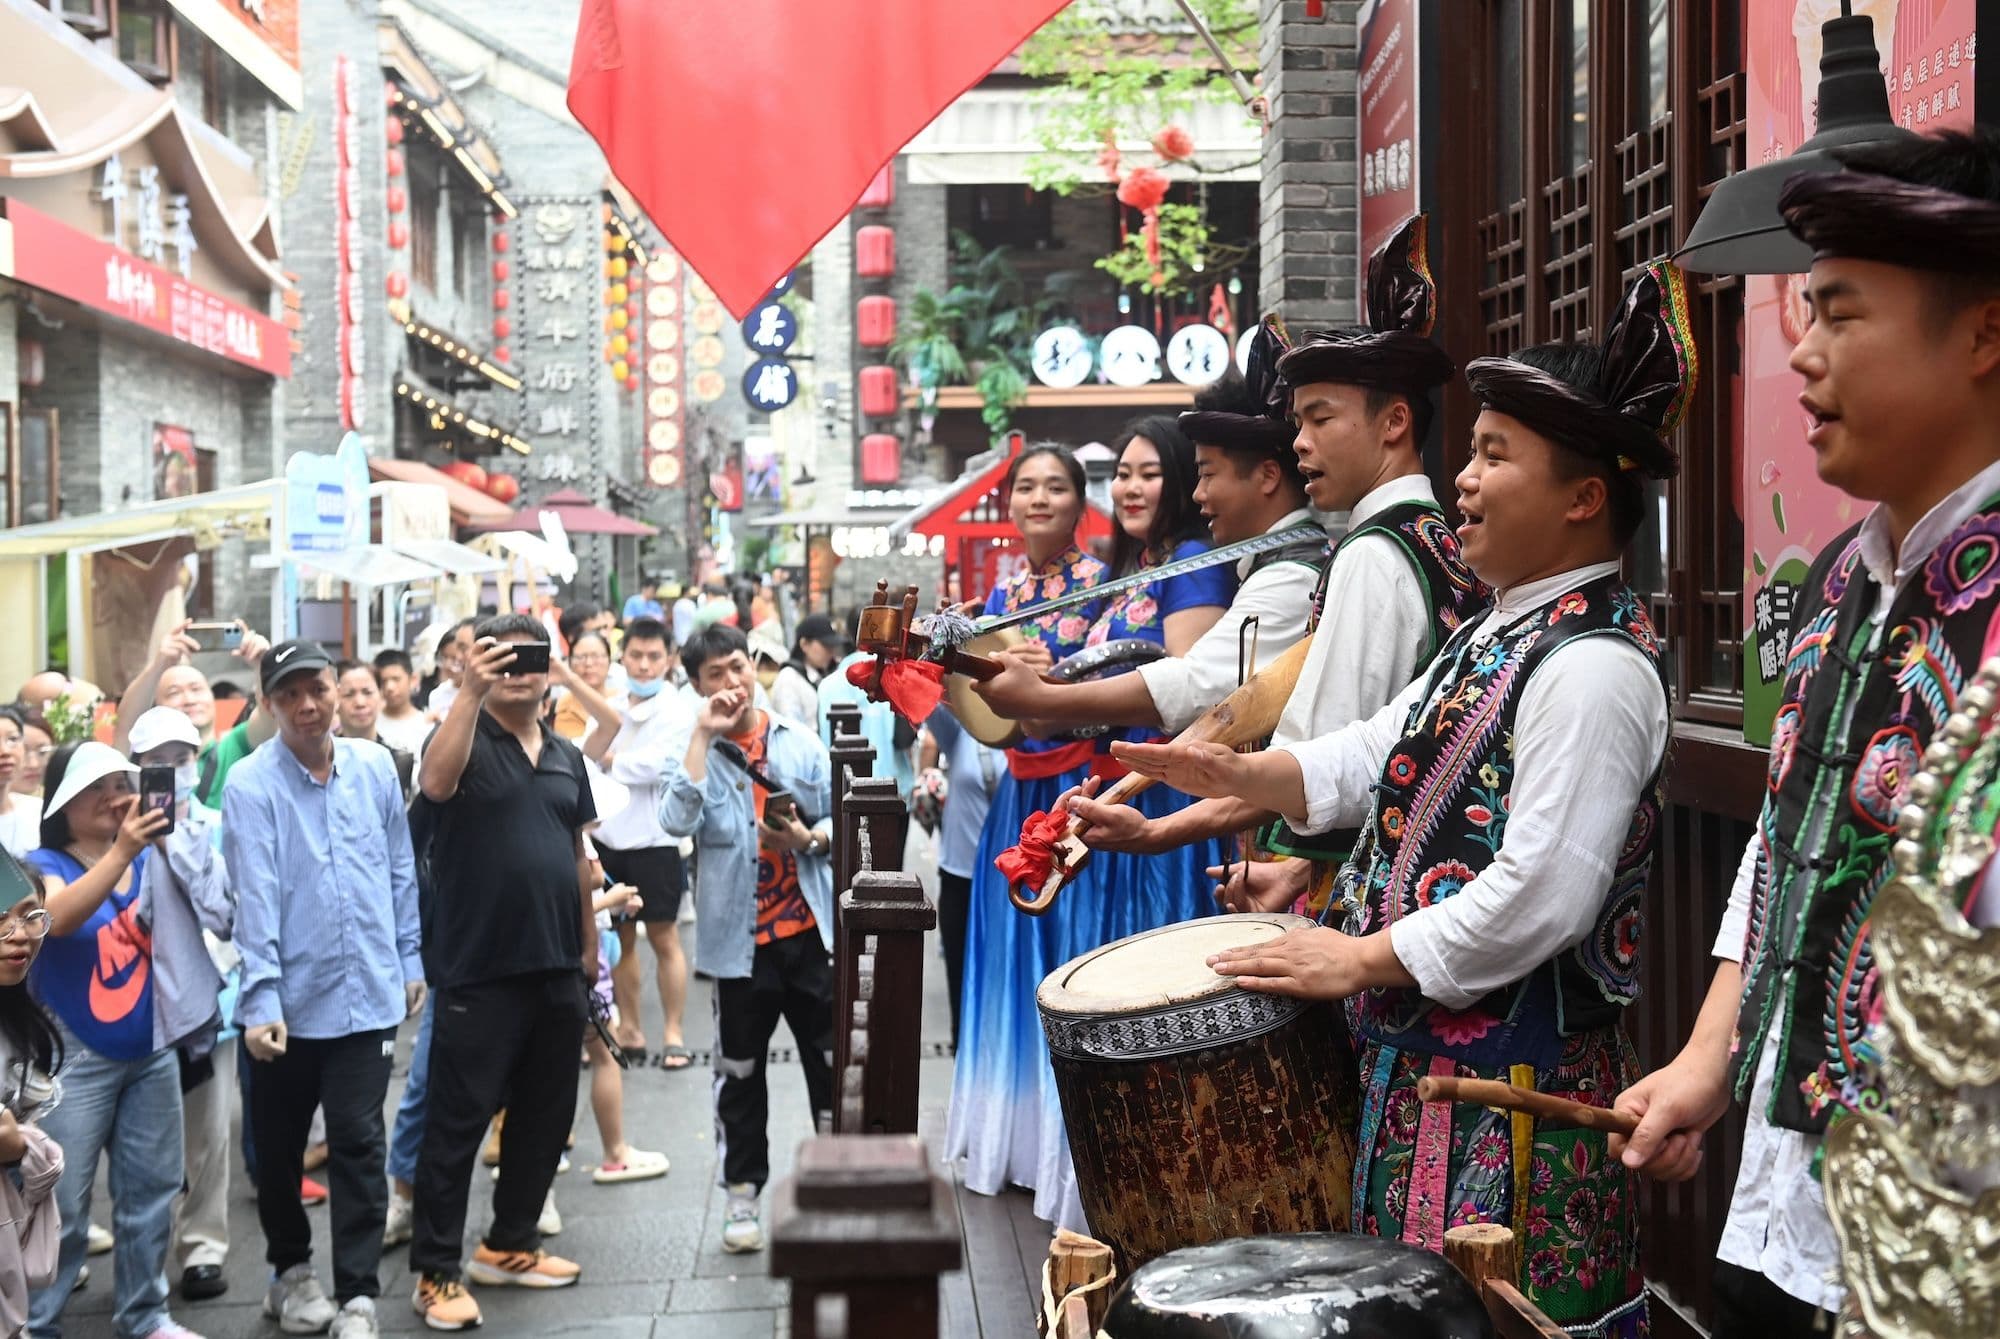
(912, 687)
(1029, 863)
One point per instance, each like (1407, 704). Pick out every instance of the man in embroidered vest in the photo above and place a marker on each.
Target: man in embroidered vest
(1901, 369)
(1248, 484)
(1510, 800)
(1391, 591)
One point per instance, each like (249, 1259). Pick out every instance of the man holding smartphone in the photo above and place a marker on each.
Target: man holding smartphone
(754, 790)
(171, 679)
(510, 945)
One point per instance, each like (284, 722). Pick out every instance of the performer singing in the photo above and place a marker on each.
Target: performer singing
(1394, 589)
(1000, 1085)
(1511, 800)
(1249, 485)
(1902, 383)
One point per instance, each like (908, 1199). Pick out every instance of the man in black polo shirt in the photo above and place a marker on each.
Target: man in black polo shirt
(507, 933)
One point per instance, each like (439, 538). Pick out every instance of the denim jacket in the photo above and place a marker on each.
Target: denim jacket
(720, 814)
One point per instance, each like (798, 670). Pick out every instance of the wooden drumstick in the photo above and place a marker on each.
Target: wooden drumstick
(1245, 716)
(1542, 1106)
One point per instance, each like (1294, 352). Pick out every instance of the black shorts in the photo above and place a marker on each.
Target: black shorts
(655, 871)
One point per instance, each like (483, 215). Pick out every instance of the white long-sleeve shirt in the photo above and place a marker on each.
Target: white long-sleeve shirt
(1278, 595)
(638, 762)
(1589, 733)
(1373, 630)
(1778, 1224)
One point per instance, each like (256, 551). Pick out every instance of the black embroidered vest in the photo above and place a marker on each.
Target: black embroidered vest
(1860, 705)
(1440, 816)
(1452, 596)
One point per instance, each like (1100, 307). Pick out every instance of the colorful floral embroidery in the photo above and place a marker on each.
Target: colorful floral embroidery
(1460, 1027)
(1570, 604)
(1441, 881)
(1392, 823)
(1784, 742)
(1842, 572)
(1888, 765)
(1402, 769)
(1965, 568)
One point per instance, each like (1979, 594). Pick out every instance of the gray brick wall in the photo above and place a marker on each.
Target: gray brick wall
(1307, 214)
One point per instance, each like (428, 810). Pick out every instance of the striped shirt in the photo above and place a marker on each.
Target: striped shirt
(326, 887)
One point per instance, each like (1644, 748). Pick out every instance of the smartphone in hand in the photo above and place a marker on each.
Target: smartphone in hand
(779, 808)
(216, 636)
(156, 790)
(529, 658)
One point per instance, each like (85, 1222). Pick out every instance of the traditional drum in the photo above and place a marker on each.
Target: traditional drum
(1298, 1287)
(1196, 1110)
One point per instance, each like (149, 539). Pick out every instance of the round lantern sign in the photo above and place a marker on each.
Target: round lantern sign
(663, 402)
(708, 316)
(664, 470)
(709, 385)
(663, 302)
(770, 328)
(769, 384)
(1131, 356)
(663, 269)
(664, 435)
(663, 334)
(1062, 356)
(1198, 354)
(707, 351)
(662, 368)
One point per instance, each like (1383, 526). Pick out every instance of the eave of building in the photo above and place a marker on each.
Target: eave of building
(409, 68)
(456, 417)
(420, 331)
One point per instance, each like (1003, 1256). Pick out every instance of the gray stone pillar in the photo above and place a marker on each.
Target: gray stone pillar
(1307, 211)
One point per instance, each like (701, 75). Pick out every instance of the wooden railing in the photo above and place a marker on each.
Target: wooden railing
(864, 1227)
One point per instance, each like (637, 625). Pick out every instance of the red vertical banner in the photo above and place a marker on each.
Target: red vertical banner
(1927, 48)
(1386, 168)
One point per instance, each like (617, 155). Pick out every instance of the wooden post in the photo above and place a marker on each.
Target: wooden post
(1489, 1255)
(874, 803)
(863, 1229)
(850, 757)
(886, 917)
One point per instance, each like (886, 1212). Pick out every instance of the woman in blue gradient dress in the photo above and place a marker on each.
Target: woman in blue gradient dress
(1002, 1074)
(1120, 894)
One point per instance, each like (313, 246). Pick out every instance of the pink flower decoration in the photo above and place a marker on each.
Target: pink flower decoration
(1460, 1029)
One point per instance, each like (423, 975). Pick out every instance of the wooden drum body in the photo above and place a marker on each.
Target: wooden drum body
(1198, 1111)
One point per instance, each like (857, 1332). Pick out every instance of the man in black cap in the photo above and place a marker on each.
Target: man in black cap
(318, 846)
(1901, 369)
(1392, 590)
(815, 650)
(1508, 803)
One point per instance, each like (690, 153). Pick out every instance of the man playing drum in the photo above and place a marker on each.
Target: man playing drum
(1395, 587)
(1509, 801)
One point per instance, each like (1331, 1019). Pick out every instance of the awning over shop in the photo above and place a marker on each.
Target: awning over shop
(448, 556)
(244, 508)
(369, 566)
(468, 505)
(988, 136)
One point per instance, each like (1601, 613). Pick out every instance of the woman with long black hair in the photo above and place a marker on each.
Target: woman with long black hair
(30, 1054)
(998, 1086)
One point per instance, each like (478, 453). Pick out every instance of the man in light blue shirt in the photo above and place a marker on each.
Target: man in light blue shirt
(646, 604)
(318, 845)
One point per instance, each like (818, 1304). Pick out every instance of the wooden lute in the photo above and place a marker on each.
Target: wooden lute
(888, 630)
(1245, 716)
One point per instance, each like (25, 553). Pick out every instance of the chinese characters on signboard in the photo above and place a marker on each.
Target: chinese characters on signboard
(1386, 95)
(664, 460)
(560, 302)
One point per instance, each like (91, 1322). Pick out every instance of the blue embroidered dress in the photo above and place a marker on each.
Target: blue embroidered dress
(1119, 894)
(1002, 1085)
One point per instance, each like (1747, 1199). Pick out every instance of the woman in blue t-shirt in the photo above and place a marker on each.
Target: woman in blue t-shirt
(121, 1095)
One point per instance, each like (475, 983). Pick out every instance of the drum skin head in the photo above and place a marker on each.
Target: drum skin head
(1157, 967)
(981, 721)
(1301, 1286)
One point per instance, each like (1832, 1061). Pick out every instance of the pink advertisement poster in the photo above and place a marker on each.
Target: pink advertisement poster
(1928, 50)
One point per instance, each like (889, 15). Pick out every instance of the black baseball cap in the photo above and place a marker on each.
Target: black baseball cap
(818, 628)
(285, 659)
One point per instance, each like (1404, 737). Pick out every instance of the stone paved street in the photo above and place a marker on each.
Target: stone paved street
(650, 1251)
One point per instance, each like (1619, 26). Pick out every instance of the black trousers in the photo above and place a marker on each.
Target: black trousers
(1750, 1306)
(508, 1043)
(953, 906)
(347, 1077)
(793, 980)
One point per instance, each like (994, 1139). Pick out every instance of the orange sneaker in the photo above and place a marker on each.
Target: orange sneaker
(444, 1304)
(311, 1192)
(522, 1269)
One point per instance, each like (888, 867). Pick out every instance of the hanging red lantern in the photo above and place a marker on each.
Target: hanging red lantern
(632, 310)
(399, 235)
(392, 130)
(880, 395)
(501, 269)
(502, 354)
(398, 284)
(881, 192)
(394, 162)
(467, 473)
(397, 200)
(1174, 144)
(1143, 189)
(503, 242)
(502, 299)
(502, 327)
(632, 382)
(503, 487)
(875, 321)
(875, 252)
(881, 458)
(390, 93)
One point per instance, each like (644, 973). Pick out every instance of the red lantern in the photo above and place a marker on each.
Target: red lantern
(632, 310)
(390, 93)
(502, 354)
(632, 382)
(502, 299)
(875, 321)
(394, 161)
(503, 242)
(399, 236)
(1174, 144)
(398, 200)
(399, 285)
(393, 129)
(467, 473)
(879, 394)
(502, 327)
(501, 269)
(881, 192)
(881, 458)
(503, 487)
(875, 252)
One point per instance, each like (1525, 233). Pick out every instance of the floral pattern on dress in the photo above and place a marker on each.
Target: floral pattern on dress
(1888, 765)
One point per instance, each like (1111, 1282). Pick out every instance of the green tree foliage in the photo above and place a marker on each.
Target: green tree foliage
(979, 331)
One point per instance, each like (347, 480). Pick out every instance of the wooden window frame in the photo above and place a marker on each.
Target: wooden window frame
(16, 503)
(97, 23)
(166, 39)
(424, 171)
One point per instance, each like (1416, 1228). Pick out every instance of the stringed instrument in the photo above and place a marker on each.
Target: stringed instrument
(1244, 717)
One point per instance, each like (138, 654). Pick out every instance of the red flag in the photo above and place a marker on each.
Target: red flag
(748, 128)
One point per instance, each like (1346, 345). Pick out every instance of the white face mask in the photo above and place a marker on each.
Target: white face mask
(185, 777)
